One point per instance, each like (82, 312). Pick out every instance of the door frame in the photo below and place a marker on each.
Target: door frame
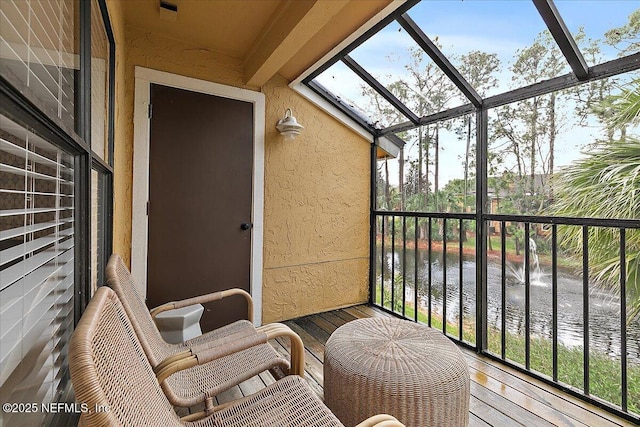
(144, 77)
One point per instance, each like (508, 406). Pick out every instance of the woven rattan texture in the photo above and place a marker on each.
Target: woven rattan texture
(110, 370)
(191, 386)
(120, 280)
(219, 375)
(397, 367)
(288, 402)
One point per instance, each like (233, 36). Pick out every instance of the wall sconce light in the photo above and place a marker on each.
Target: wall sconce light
(288, 126)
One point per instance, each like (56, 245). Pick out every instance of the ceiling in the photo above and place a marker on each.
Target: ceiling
(269, 36)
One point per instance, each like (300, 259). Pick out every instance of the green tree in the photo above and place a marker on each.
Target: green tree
(425, 89)
(385, 114)
(627, 106)
(604, 184)
(428, 91)
(626, 38)
(479, 69)
(593, 99)
(525, 133)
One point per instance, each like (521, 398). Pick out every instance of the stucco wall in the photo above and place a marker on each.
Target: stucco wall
(316, 211)
(316, 187)
(122, 152)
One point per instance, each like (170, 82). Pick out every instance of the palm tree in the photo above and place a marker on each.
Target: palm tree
(627, 106)
(606, 184)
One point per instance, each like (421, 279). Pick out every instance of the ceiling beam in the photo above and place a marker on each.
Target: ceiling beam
(291, 27)
(438, 57)
(597, 72)
(449, 114)
(378, 87)
(563, 37)
(344, 107)
(408, 4)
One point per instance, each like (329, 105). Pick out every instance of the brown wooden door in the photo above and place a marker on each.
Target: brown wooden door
(200, 191)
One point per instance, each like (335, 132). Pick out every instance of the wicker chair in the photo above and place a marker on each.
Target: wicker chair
(117, 386)
(234, 353)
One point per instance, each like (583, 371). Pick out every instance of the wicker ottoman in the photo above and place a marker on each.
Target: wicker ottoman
(385, 365)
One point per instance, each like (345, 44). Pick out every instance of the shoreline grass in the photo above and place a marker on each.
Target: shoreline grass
(605, 377)
(469, 248)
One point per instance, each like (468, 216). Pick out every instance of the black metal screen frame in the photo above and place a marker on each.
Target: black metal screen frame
(580, 74)
(105, 169)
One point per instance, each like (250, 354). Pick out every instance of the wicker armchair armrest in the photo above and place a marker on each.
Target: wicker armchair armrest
(213, 353)
(227, 339)
(232, 344)
(220, 342)
(381, 420)
(215, 296)
(275, 330)
(208, 355)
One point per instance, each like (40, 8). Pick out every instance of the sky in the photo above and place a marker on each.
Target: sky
(493, 26)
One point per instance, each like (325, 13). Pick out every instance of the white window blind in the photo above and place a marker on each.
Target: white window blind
(96, 228)
(38, 52)
(36, 268)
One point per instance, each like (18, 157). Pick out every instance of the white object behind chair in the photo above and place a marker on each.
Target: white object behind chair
(181, 324)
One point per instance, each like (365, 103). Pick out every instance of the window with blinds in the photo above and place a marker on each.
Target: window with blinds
(98, 258)
(36, 269)
(100, 86)
(99, 83)
(39, 53)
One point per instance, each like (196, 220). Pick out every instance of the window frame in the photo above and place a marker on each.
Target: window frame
(16, 106)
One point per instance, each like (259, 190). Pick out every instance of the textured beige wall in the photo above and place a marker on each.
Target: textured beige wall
(316, 187)
(122, 158)
(316, 211)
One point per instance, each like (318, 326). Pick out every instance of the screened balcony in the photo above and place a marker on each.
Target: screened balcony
(504, 218)
(500, 395)
(472, 166)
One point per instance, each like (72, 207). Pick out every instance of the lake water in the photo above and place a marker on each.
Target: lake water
(604, 306)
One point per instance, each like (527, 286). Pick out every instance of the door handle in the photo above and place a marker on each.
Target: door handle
(245, 226)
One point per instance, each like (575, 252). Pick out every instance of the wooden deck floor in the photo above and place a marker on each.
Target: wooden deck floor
(500, 396)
